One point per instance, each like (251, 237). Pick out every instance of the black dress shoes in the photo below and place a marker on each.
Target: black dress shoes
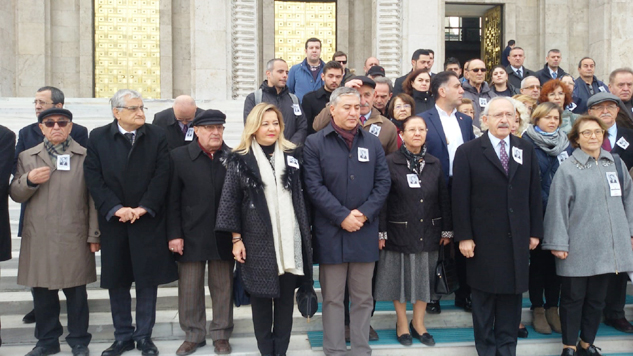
(118, 347)
(465, 303)
(621, 324)
(568, 352)
(523, 333)
(590, 351)
(426, 338)
(433, 307)
(29, 318)
(80, 350)
(43, 351)
(147, 347)
(404, 339)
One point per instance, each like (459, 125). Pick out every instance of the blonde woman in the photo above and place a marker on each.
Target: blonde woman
(262, 205)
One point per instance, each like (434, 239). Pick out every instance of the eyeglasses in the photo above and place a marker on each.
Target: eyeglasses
(342, 62)
(501, 115)
(589, 133)
(400, 107)
(533, 87)
(41, 102)
(601, 108)
(416, 130)
(132, 108)
(51, 124)
(477, 70)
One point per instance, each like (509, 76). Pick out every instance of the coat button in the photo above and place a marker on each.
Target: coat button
(350, 156)
(351, 177)
(421, 200)
(421, 239)
(421, 220)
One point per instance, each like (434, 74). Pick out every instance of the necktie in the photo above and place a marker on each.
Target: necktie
(129, 136)
(185, 128)
(503, 155)
(363, 119)
(554, 75)
(606, 144)
(520, 73)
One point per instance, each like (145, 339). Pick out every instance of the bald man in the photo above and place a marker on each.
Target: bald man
(370, 62)
(177, 121)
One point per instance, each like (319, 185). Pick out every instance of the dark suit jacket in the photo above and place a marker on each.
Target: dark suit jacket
(7, 150)
(544, 76)
(312, 104)
(167, 120)
(436, 138)
(499, 212)
(514, 79)
(194, 197)
(118, 173)
(31, 136)
(625, 154)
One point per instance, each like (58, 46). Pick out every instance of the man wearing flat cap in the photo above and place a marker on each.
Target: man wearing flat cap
(60, 233)
(196, 185)
(375, 71)
(607, 107)
(370, 118)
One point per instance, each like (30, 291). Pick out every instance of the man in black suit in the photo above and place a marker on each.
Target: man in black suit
(447, 130)
(314, 101)
(619, 139)
(551, 70)
(127, 172)
(177, 121)
(516, 71)
(31, 135)
(498, 219)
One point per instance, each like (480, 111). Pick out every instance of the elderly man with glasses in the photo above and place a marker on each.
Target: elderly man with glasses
(476, 88)
(127, 173)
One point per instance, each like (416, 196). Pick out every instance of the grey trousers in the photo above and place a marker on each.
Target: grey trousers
(358, 277)
(191, 304)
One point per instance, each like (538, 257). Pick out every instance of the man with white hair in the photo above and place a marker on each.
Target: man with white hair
(177, 121)
(498, 219)
(531, 87)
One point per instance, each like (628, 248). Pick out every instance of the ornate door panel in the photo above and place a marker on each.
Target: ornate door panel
(491, 38)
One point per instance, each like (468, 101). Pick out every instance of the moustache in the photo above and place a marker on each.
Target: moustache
(503, 126)
(366, 105)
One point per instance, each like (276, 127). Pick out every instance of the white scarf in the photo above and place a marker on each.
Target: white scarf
(286, 233)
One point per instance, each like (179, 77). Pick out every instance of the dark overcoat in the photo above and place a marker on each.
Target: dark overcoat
(194, 197)
(119, 174)
(7, 150)
(625, 147)
(167, 120)
(414, 218)
(499, 212)
(243, 209)
(338, 182)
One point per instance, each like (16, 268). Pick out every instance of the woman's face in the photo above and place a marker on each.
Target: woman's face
(528, 106)
(514, 125)
(594, 141)
(550, 122)
(569, 82)
(499, 76)
(414, 134)
(269, 131)
(422, 82)
(401, 110)
(466, 109)
(557, 96)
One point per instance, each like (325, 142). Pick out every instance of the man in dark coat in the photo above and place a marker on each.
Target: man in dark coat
(127, 173)
(515, 69)
(314, 101)
(275, 91)
(7, 150)
(177, 121)
(619, 139)
(194, 196)
(621, 85)
(347, 180)
(506, 53)
(447, 130)
(498, 218)
(586, 85)
(551, 70)
(421, 59)
(30, 136)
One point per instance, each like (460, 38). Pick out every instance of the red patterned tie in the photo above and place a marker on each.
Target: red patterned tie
(606, 144)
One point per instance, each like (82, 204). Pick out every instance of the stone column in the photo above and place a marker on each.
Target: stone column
(33, 39)
(7, 53)
(610, 35)
(423, 27)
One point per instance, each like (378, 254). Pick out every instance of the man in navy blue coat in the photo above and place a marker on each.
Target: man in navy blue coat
(347, 180)
(586, 85)
(447, 130)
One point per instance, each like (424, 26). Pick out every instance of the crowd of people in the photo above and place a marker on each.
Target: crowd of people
(524, 181)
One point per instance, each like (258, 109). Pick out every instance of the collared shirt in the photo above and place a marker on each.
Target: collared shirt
(453, 134)
(613, 134)
(123, 132)
(366, 117)
(516, 70)
(496, 144)
(551, 72)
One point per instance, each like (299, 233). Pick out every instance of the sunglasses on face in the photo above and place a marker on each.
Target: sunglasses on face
(51, 124)
(342, 62)
(477, 70)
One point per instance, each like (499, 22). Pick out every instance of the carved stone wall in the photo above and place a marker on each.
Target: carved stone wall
(389, 35)
(244, 54)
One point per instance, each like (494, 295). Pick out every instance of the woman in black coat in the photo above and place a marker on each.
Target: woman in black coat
(263, 206)
(418, 84)
(415, 221)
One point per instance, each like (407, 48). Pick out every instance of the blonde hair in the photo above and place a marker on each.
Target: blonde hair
(254, 122)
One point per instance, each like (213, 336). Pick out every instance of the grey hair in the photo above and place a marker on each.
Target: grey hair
(526, 78)
(118, 100)
(497, 98)
(342, 91)
(524, 117)
(384, 80)
(271, 63)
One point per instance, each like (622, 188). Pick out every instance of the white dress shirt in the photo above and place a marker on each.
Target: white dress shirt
(496, 144)
(453, 134)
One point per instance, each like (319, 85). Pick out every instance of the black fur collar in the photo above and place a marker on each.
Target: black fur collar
(246, 166)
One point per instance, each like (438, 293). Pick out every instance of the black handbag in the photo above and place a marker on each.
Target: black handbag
(446, 281)
(307, 301)
(240, 296)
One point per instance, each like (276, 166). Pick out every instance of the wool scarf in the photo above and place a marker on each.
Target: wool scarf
(56, 150)
(348, 136)
(286, 233)
(551, 143)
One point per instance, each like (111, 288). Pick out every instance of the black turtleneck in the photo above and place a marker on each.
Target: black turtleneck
(268, 150)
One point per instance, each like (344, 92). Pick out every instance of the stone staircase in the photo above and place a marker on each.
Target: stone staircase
(452, 328)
